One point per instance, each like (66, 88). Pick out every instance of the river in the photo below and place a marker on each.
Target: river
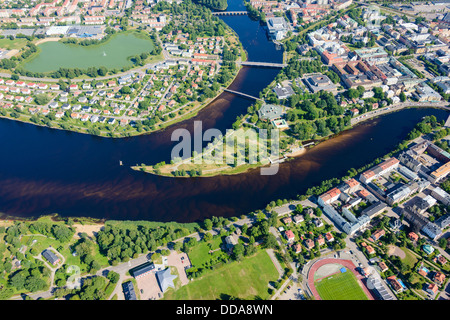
(46, 171)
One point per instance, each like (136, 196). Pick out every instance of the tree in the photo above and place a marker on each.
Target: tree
(207, 223)
(207, 236)
(270, 241)
(443, 243)
(42, 99)
(238, 251)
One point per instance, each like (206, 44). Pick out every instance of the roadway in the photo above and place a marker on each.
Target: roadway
(397, 107)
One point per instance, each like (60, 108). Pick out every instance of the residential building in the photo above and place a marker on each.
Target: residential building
(432, 230)
(289, 235)
(439, 278)
(128, 291)
(51, 256)
(378, 234)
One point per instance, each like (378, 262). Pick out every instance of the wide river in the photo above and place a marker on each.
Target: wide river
(45, 171)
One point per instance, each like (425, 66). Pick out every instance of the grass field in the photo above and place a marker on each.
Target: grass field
(340, 286)
(410, 259)
(200, 253)
(13, 44)
(246, 279)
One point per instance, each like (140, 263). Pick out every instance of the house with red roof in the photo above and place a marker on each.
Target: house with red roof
(432, 288)
(320, 240)
(290, 237)
(413, 236)
(439, 278)
(370, 250)
(378, 234)
(329, 196)
(309, 244)
(297, 247)
(329, 237)
(287, 220)
(395, 285)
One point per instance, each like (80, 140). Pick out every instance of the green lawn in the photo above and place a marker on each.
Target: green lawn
(410, 259)
(340, 286)
(13, 44)
(200, 253)
(246, 279)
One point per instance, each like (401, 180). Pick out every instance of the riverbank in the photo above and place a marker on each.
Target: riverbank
(190, 169)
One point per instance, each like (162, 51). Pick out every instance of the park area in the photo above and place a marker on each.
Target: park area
(247, 279)
(206, 253)
(340, 286)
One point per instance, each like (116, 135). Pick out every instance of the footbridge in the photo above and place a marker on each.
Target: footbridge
(243, 94)
(262, 64)
(229, 13)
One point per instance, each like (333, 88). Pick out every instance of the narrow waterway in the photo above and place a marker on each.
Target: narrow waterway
(45, 171)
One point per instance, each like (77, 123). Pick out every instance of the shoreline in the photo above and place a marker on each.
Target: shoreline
(41, 41)
(297, 154)
(163, 126)
(194, 113)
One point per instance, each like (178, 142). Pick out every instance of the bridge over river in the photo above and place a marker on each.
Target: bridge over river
(229, 13)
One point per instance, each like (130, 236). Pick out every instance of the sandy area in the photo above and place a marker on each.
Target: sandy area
(90, 229)
(47, 40)
(5, 223)
(327, 270)
(296, 153)
(396, 251)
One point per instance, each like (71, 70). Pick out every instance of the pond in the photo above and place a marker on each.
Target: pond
(113, 53)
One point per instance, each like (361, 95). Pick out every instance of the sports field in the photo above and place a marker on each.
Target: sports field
(340, 286)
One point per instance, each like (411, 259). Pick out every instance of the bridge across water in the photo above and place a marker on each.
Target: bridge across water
(243, 94)
(262, 64)
(229, 13)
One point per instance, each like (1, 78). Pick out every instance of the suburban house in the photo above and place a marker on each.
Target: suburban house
(289, 236)
(370, 250)
(378, 234)
(50, 256)
(439, 278)
(309, 244)
(287, 220)
(383, 266)
(395, 284)
(413, 236)
(298, 218)
(128, 291)
(432, 288)
(329, 237)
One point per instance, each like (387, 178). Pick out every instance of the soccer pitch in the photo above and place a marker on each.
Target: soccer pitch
(340, 286)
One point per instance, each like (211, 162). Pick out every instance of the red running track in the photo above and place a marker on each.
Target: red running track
(346, 263)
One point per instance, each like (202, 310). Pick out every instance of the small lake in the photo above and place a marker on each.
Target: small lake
(112, 54)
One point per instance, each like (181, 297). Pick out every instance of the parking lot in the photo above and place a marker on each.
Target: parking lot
(180, 261)
(148, 287)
